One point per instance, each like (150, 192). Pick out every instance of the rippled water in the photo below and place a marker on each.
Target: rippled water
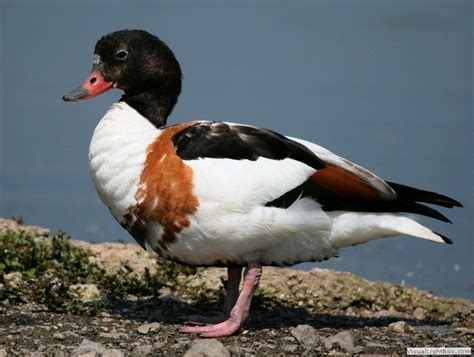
(387, 85)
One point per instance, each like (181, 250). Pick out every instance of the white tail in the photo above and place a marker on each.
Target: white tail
(351, 228)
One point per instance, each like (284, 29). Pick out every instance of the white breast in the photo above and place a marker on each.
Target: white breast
(116, 156)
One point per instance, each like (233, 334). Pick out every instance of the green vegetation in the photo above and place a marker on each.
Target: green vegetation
(33, 258)
(42, 270)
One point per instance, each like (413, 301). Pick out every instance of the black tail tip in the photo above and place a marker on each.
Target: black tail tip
(444, 238)
(452, 202)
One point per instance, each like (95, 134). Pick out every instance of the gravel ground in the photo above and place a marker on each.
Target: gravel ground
(294, 313)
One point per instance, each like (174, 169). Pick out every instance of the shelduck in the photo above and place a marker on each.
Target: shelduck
(214, 193)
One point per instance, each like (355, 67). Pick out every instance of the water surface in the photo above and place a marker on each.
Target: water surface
(386, 84)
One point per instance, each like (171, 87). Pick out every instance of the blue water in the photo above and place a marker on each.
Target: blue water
(386, 84)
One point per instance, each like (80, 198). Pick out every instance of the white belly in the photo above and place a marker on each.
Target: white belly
(270, 235)
(116, 156)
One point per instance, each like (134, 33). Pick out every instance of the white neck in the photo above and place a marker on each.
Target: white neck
(116, 156)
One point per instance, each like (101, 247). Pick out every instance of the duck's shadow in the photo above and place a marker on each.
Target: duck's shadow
(262, 316)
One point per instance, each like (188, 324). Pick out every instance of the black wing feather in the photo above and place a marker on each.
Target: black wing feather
(415, 194)
(238, 142)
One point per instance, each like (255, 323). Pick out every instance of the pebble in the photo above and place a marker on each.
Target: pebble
(13, 279)
(289, 348)
(419, 313)
(85, 292)
(143, 350)
(159, 344)
(248, 351)
(466, 330)
(306, 335)
(114, 335)
(385, 313)
(59, 336)
(207, 348)
(400, 326)
(376, 344)
(86, 354)
(112, 352)
(149, 327)
(344, 339)
(56, 352)
(88, 348)
(71, 334)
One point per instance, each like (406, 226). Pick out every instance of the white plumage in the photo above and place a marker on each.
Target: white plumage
(233, 225)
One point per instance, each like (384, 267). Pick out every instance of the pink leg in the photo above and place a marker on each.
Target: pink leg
(234, 275)
(239, 312)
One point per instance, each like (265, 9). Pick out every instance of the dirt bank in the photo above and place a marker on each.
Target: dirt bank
(64, 296)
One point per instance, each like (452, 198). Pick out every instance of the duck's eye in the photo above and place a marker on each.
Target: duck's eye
(121, 54)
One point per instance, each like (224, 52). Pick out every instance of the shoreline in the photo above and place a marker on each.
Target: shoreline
(126, 300)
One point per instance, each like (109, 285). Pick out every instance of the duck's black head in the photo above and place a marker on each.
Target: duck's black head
(140, 64)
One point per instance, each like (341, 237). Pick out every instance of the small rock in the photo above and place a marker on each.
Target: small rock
(86, 354)
(419, 313)
(71, 334)
(88, 348)
(207, 348)
(150, 327)
(56, 352)
(178, 346)
(248, 351)
(378, 345)
(143, 350)
(112, 352)
(155, 327)
(59, 336)
(114, 335)
(466, 330)
(159, 345)
(344, 339)
(13, 279)
(292, 282)
(400, 326)
(385, 313)
(289, 348)
(306, 335)
(85, 292)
